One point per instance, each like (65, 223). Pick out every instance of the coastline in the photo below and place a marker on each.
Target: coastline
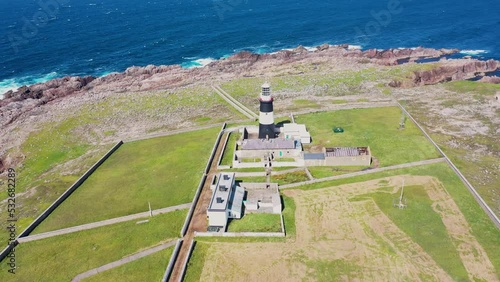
(14, 83)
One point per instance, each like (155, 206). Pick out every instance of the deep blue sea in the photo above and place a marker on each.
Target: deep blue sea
(44, 39)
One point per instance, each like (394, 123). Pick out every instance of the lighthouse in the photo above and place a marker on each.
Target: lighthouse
(266, 117)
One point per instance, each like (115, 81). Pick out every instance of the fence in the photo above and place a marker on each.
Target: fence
(184, 264)
(222, 153)
(469, 186)
(202, 182)
(60, 200)
(171, 263)
(239, 234)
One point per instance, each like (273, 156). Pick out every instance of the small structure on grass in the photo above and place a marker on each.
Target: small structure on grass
(338, 130)
(339, 156)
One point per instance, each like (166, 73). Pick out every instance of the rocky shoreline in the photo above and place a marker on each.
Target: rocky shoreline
(244, 64)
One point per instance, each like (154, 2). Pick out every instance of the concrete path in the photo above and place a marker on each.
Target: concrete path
(233, 102)
(101, 223)
(123, 261)
(375, 170)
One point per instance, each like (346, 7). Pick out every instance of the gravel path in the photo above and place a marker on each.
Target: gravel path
(375, 170)
(123, 261)
(101, 223)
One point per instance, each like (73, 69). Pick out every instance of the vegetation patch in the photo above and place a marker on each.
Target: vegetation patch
(196, 262)
(161, 171)
(387, 142)
(425, 227)
(292, 177)
(327, 171)
(486, 233)
(256, 222)
(466, 86)
(88, 249)
(227, 157)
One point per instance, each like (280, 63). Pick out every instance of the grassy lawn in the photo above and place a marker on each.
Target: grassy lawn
(388, 144)
(164, 171)
(63, 257)
(196, 261)
(426, 229)
(482, 228)
(256, 222)
(227, 157)
(284, 160)
(252, 179)
(250, 160)
(150, 268)
(465, 86)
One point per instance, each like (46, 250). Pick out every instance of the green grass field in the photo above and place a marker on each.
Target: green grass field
(426, 229)
(164, 171)
(256, 222)
(388, 144)
(196, 262)
(227, 157)
(150, 268)
(487, 234)
(63, 257)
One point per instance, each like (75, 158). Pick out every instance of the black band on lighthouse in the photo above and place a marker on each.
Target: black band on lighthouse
(266, 107)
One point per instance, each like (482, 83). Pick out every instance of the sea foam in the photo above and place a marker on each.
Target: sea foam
(473, 52)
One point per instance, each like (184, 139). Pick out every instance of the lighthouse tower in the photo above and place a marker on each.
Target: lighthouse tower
(266, 117)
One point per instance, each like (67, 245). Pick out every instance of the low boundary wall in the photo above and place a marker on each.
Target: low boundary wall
(193, 206)
(202, 182)
(60, 200)
(185, 262)
(469, 186)
(222, 153)
(171, 263)
(239, 234)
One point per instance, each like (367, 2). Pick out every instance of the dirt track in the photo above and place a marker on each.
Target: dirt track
(199, 220)
(353, 237)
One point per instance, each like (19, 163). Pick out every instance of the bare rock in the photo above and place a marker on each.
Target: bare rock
(490, 79)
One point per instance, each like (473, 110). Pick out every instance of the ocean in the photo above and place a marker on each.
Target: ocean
(45, 39)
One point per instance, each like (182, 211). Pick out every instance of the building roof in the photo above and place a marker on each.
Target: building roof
(237, 199)
(314, 156)
(347, 151)
(271, 144)
(222, 192)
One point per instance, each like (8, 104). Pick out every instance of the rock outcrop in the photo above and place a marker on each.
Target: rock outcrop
(490, 79)
(391, 57)
(463, 69)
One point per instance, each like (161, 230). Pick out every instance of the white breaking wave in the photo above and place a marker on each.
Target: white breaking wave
(197, 63)
(473, 52)
(14, 83)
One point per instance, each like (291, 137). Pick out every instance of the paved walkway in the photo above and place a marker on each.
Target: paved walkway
(234, 103)
(123, 261)
(375, 170)
(101, 223)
